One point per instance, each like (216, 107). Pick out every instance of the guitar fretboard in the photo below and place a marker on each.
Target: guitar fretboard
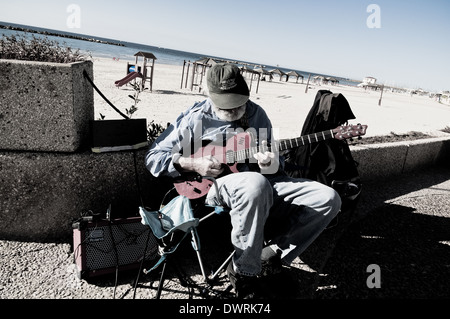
(281, 145)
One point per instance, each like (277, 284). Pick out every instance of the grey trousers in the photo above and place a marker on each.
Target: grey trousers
(288, 213)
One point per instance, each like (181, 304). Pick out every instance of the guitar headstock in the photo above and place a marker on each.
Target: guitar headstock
(349, 131)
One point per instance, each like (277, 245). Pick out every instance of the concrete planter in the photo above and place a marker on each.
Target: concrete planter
(45, 106)
(378, 161)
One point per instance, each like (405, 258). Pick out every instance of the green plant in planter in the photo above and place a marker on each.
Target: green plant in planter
(135, 97)
(42, 49)
(154, 130)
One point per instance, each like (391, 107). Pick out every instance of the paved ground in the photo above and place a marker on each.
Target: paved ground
(398, 240)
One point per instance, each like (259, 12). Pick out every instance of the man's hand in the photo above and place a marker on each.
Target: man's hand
(267, 160)
(205, 166)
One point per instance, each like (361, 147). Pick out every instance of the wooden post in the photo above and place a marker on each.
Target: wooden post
(251, 81)
(182, 75)
(187, 73)
(381, 96)
(144, 74)
(257, 85)
(307, 83)
(194, 70)
(201, 78)
(136, 68)
(151, 75)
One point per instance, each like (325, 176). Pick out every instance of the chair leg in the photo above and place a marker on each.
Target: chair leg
(199, 257)
(161, 280)
(225, 263)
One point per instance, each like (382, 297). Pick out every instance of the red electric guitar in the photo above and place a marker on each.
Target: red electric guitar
(239, 148)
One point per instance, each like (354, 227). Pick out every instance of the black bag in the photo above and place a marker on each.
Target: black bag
(329, 162)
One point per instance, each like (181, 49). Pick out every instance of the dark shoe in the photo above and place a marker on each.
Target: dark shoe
(278, 278)
(271, 266)
(245, 287)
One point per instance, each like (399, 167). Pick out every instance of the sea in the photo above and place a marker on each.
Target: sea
(122, 50)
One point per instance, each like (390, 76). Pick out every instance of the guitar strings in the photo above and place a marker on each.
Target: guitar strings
(281, 145)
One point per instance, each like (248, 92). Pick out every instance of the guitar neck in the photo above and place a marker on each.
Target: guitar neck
(282, 145)
(303, 140)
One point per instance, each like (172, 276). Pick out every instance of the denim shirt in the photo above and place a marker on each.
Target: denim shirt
(197, 125)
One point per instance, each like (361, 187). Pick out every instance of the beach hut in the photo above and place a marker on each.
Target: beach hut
(293, 73)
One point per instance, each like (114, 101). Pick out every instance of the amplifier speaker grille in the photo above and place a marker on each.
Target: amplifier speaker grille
(101, 246)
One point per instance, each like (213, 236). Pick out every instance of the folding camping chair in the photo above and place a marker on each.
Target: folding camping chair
(171, 225)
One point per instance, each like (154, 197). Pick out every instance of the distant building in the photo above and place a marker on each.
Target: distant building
(369, 80)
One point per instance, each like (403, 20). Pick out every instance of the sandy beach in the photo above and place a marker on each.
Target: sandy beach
(286, 103)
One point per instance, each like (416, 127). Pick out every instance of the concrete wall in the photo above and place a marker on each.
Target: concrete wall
(45, 106)
(379, 161)
(42, 192)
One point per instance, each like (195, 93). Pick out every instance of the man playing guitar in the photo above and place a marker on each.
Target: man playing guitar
(265, 205)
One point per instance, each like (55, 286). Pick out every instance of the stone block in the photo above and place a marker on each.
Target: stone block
(423, 153)
(379, 161)
(43, 192)
(45, 106)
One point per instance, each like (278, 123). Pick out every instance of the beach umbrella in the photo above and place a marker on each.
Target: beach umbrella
(318, 78)
(247, 70)
(333, 80)
(279, 72)
(293, 73)
(261, 71)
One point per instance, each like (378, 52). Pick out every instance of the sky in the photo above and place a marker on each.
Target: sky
(399, 42)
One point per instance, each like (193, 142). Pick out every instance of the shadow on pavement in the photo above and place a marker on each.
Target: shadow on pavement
(402, 227)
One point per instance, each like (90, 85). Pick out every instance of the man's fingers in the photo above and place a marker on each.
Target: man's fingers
(264, 159)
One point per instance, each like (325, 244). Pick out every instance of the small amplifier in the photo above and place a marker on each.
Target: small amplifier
(100, 247)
